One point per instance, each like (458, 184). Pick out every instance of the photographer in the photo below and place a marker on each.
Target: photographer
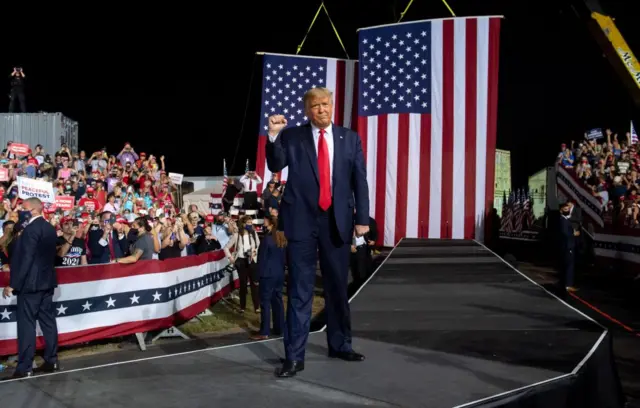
(127, 155)
(245, 242)
(70, 249)
(107, 241)
(17, 90)
(173, 240)
(250, 183)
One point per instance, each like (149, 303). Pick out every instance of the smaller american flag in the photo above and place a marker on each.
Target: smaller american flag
(246, 167)
(509, 214)
(505, 210)
(634, 134)
(225, 178)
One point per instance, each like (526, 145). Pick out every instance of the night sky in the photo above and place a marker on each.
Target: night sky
(176, 81)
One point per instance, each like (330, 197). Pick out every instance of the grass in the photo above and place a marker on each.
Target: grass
(227, 318)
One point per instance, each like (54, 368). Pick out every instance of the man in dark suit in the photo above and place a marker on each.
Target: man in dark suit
(575, 218)
(567, 246)
(327, 180)
(33, 279)
(105, 243)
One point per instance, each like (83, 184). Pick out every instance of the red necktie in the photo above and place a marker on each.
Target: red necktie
(250, 185)
(324, 172)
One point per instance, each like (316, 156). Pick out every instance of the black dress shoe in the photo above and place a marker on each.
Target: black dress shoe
(48, 368)
(22, 375)
(346, 355)
(290, 368)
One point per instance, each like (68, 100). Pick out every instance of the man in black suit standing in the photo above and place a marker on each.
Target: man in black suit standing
(327, 181)
(33, 280)
(567, 248)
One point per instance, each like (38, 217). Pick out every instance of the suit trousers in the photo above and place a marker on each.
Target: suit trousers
(34, 307)
(271, 304)
(326, 243)
(250, 201)
(568, 268)
(361, 263)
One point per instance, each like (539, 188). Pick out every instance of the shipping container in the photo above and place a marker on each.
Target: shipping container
(50, 130)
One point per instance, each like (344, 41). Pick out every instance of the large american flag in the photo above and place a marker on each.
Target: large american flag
(427, 118)
(285, 80)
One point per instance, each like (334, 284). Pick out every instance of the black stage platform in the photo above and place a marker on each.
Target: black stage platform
(442, 323)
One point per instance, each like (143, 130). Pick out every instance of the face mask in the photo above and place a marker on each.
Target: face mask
(565, 212)
(24, 217)
(248, 228)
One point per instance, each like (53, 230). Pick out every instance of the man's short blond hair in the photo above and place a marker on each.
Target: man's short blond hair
(34, 204)
(317, 93)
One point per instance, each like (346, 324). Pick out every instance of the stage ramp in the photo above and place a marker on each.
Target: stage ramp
(443, 323)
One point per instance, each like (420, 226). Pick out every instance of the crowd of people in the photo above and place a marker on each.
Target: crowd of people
(123, 207)
(609, 170)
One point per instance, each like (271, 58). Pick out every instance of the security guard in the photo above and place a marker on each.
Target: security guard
(33, 279)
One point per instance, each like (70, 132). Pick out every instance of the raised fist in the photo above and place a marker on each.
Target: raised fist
(276, 124)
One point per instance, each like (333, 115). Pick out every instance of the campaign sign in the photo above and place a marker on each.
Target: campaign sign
(595, 134)
(65, 203)
(19, 149)
(29, 188)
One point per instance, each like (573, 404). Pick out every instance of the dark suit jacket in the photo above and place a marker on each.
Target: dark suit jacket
(100, 254)
(566, 238)
(294, 147)
(32, 264)
(271, 259)
(576, 217)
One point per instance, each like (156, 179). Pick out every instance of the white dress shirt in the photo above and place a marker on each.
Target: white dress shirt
(250, 184)
(328, 137)
(357, 241)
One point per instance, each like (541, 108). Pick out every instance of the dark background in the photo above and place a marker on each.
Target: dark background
(175, 81)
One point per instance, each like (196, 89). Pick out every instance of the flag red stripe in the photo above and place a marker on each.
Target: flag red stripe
(355, 119)
(261, 161)
(492, 118)
(425, 175)
(381, 175)
(402, 176)
(471, 60)
(359, 123)
(447, 126)
(362, 131)
(338, 94)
